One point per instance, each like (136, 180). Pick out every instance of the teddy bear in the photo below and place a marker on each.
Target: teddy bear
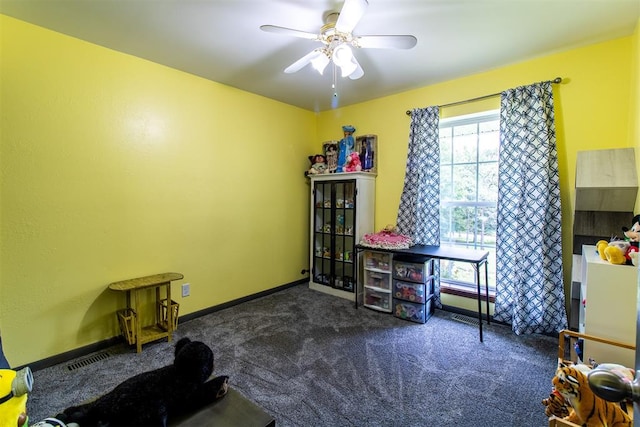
(353, 162)
(318, 165)
(153, 398)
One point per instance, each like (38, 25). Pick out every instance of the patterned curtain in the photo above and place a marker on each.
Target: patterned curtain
(529, 286)
(419, 211)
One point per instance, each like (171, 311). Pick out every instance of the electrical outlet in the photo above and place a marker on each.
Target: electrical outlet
(186, 289)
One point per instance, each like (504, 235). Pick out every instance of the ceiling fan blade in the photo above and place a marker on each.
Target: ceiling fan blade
(288, 32)
(350, 15)
(300, 63)
(359, 72)
(386, 42)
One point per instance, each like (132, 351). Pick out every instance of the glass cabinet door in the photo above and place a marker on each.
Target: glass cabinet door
(334, 234)
(322, 233)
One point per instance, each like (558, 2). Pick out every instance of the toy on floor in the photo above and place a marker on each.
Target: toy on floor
(586, 408)
(14, 387)
(152, 398)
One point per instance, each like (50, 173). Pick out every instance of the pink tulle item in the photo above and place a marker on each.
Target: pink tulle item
(386, 239)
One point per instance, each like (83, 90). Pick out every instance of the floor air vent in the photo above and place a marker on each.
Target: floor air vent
(87, 361)
(465, 319)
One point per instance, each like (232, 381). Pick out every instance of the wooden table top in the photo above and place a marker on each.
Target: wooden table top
(145, 282)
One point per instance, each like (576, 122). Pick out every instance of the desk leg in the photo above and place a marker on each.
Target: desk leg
(486, 288)
(477, 268)
(136, 305)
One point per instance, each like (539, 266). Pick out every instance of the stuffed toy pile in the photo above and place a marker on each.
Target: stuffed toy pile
(153, 398)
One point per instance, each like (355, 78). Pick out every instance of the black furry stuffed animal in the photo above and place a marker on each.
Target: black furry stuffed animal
(153, 398)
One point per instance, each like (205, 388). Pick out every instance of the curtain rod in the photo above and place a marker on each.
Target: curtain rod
(451, 104)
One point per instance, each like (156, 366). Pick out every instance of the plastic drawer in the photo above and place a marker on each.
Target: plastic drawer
(377, 300)
(410, 271)
(377, 260)
(377, 280)
(413, 312)
(413, 292)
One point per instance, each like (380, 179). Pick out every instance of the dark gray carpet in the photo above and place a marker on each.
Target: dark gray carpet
(310, 359)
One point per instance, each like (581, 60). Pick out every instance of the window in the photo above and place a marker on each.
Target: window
(468, 194)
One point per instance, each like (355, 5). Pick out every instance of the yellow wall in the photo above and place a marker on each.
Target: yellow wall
(634, 110)
(592, 106)
(114, 167)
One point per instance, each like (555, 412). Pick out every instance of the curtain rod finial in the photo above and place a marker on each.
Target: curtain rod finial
(557, 80)
(408, 112)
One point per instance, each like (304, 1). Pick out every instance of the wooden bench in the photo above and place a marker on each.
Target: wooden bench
(166, 309)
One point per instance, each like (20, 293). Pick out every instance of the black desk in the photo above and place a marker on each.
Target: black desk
(477, 258)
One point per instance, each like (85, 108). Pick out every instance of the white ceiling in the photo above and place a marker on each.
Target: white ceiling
(221, 40)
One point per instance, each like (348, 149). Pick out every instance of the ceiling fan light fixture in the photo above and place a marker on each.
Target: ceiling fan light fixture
(320, 62)
(342, 55)
(348, 68)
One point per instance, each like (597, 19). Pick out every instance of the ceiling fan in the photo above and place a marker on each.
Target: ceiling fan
(337, 38)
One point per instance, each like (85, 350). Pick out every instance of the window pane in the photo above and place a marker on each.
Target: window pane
(488, 182)
(445, 145)
(464, 182)
(446, 183)
(465, 147)
(473, 226)
(489, 143)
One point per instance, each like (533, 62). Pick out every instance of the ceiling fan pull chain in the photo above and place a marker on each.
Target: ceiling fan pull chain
(334, 85)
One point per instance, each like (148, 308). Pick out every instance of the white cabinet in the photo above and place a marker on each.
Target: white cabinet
(376, 280)
(342, 211)
(608, 307)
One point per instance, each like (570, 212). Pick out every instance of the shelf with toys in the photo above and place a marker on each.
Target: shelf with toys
(341, 213)
(342, 208)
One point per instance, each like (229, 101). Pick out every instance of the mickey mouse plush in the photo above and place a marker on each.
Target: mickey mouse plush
(153, 398)
(633, 234)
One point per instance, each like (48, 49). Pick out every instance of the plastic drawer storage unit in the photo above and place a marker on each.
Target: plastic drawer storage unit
(413, 289)
(377, 280)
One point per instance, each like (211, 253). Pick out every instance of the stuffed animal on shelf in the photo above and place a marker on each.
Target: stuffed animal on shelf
(616, 251)
(14, 388)
(353, 162)
(586, 408)
(154, 397)
(633, 234)
(318, 165)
